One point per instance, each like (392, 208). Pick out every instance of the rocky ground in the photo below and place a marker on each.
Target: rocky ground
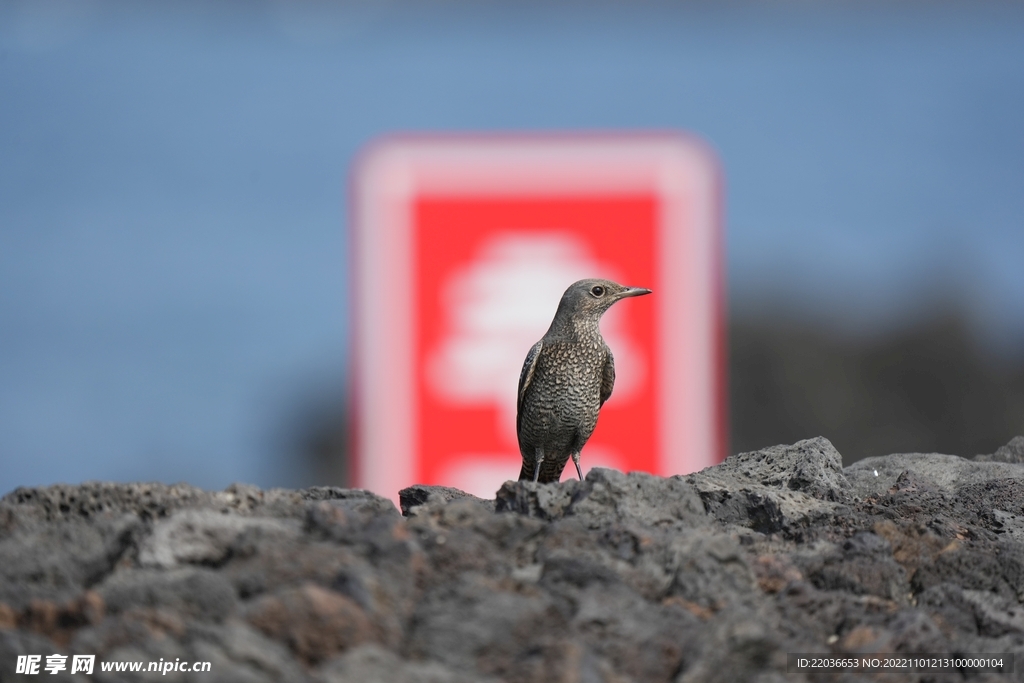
(714, 576)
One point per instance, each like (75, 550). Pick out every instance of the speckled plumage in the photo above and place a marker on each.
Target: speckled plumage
(567, 377)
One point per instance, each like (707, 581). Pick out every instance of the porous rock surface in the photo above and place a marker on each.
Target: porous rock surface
(714, 576)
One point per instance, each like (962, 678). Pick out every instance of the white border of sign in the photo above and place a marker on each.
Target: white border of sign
(392, 172)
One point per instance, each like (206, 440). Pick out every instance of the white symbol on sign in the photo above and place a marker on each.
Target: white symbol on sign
(496, 307)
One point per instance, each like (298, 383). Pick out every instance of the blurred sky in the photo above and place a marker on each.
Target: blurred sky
(172, 176)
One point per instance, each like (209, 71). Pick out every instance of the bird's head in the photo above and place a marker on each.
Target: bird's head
(592, 297)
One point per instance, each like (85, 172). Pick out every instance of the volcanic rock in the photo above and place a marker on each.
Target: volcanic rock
(715, 576)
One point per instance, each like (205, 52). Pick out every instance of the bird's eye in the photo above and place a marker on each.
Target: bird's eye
(597, 290)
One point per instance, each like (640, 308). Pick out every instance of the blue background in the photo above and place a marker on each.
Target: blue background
(173, 280)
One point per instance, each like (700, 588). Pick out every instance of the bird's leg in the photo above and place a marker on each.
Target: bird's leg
(576, 461)
(536, 465)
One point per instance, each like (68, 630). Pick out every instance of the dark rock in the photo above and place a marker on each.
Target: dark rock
(193, 592)
(238, 652)
(873, 476)
(477, 623)
(418, 495)
(374, 664)
(99, 499)
(1012, 452)
(204, 537)
(976, 565)
(713, 576)
(782, 488)
(314, 622)
(58, 560)
(812, 466)
(862, 565)
(607, 495)
(640, 498)
(543, 501)
(354, 501)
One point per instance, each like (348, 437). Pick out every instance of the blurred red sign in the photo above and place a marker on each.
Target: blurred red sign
(463, 246)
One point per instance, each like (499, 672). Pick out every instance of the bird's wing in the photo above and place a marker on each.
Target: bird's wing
(525, 377)
(607, 376)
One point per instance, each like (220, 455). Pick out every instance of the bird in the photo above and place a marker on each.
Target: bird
(566, 378)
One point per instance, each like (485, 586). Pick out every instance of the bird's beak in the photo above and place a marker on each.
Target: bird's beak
(633, 291)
